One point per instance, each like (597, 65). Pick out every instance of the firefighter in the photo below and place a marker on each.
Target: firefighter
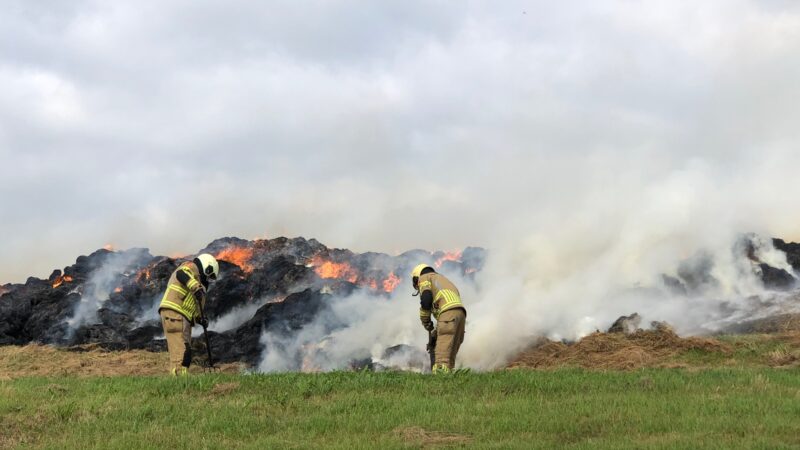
(439, 297)
(182, 307)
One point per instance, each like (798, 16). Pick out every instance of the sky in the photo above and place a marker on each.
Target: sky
(387, 126)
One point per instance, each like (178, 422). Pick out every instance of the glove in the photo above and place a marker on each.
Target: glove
(203, 322)
(428, 325)
(431, 341)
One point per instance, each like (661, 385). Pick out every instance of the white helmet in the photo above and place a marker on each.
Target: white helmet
(209, 265)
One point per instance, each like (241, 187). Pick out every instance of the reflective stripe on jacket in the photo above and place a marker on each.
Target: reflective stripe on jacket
(445, 294)
(181, 298)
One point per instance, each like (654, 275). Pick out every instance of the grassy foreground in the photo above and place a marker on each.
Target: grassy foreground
(567, 408)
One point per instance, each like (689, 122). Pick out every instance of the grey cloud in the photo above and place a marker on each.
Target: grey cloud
(358, 122)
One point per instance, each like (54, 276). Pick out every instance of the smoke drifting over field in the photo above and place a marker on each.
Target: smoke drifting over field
(593, 148)
(462, 118)
(711, 290)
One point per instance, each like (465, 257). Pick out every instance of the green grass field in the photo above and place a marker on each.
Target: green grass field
(567, 408)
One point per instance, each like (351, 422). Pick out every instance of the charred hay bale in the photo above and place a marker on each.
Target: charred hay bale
(236, 288)
(50, 311)
(144, 337)
(626, 324)
(153, 278)
(284, 318)
(230, 291)
(792, 251)
(661, 326)
(14, 314)
(121, 321)
(776, 279)
(106, 337)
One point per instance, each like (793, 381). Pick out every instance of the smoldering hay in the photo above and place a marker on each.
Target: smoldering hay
(296, 305)
(682, 241)
(566, 271)
(290, 290)
(609, 155)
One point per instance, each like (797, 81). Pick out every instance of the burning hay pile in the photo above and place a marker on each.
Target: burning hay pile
(269, 286)
(282, 304)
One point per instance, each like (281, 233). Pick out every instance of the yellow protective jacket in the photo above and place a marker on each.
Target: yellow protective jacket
(183, 298)
(445, 296)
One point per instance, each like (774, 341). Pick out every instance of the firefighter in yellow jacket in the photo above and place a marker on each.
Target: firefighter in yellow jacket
(182, 307)
(440, 297)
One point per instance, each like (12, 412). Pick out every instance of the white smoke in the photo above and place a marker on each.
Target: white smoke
(592, 146)
(235, 317)
(99, 286)
(766, 252)
(489, 111)
(151, 313)
(574, 272)
(371, 325)
(239, 315)
(358, 327)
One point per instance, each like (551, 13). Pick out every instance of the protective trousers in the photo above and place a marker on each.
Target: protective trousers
(178, 332)
(449, 336)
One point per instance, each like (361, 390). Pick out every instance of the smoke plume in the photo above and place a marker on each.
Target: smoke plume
(99, 286)
(596, 149)
(356, 327)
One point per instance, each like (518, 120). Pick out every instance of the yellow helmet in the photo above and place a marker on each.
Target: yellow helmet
(415, 274)
(418, 270)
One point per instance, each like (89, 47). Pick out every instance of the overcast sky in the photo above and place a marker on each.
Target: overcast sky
(384, 125)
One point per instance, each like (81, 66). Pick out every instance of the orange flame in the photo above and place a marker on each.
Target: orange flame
(61, 280)
(448, 256)
(118, 289)
(240, 256)
(344, 271)
(391, 283)
(330, 269)
(109, 247)
(144, 275)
